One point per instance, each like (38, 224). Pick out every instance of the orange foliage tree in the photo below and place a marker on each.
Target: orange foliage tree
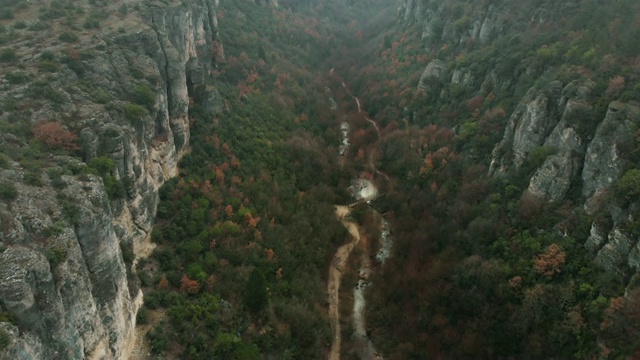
(55, 136)
(550, 262)
(189, 286)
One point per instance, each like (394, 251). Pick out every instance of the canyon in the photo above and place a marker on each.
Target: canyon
(499, 142)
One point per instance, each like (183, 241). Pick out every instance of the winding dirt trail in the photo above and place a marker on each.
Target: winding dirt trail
(335, 277)
(362, 343)
(371, 121)
(357, 100)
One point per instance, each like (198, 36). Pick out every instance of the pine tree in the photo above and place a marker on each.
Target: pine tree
(256, 291)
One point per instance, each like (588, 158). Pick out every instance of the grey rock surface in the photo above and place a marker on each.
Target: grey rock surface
(63, 278)
(602, 165)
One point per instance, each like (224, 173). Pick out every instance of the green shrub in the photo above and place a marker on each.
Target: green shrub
(56, 179)
(101, 14)
(126, 249)
(87, 54)
(6, 317)
(69, 208)
(6, 14)
(48, 66)
(39, 26)
(100, 96)
(47, 55)
(20, 25)
(538, 155)
(5, 339)
(134, 112)
(56, 255)
(74, 64)
(91, 24)
(102, 164)
(8, 192)
(54, 230)
(136, 73)
(123, 9)
(51, 14)
(114, 187)
(143, 316)
(40, 90)
(142, 95)
(33, 178)
(158, 340)
(153, 299)
(68, 37)
(628, 186)
(8, 55)
(17, 77)
(145, 280)
(58, 183)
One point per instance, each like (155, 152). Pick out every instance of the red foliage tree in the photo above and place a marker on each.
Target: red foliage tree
(189, 286)
(550, 262)
(252, 222)
(164, 283)
(55, 136)
(229, 211)
(226, 149)
(616, 85)
(270, 254)
(475, 103)
(235, 163)
(211, 282)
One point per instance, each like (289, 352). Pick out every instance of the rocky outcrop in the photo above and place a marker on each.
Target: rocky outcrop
(615, 257)
(553, 179)
(63, 275)
(602, 163)
(271, 3)
(444, 22)
(432, 74)
(412, 10)
(555, 135)
(529, 126)
(65, 245)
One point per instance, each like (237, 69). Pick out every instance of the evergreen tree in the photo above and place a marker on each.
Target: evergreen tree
(256, 291)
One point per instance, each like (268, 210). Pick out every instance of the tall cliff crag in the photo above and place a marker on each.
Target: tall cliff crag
(70, 232)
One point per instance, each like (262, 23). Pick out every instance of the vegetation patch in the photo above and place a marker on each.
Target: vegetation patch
(8, 191)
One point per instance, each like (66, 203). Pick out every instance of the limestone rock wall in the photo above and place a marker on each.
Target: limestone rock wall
(591, 161)
(65, 246)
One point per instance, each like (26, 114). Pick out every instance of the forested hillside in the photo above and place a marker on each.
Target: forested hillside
(511, 133)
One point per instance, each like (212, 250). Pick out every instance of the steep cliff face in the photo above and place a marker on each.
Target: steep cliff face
(603, 165)
(67, 247)
(565, 133)
(456, 22)
(592, 162)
